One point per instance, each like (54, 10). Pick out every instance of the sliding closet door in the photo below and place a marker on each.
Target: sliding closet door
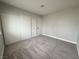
(20, 26)
(39, 25)
(33, 26)
(36, 25)
(1, 42)
(16, 26)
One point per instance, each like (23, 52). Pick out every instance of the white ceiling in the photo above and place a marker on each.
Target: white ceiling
(50, 5)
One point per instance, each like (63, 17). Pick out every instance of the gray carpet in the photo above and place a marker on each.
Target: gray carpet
(41, 47)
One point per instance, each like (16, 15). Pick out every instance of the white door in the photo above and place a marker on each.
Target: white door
(16, 27)
(39, 25)
(33, 26)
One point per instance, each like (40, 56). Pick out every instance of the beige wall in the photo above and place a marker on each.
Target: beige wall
(61, 25)
(17, 23)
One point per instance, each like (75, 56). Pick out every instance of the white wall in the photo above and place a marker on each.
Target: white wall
(1, 43)
(17, 24)
(1, 47)
(61, 25)
(78, 29)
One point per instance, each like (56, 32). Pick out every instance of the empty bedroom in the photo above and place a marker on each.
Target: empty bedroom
(39, 29)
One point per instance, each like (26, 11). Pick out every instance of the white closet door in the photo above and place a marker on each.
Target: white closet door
(39, 25)
(16, 27)
(33, 26)
(25, 26)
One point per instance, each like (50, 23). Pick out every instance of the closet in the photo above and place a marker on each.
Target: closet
(19, 25)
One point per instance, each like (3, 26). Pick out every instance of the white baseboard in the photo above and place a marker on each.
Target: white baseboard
(61, 39)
